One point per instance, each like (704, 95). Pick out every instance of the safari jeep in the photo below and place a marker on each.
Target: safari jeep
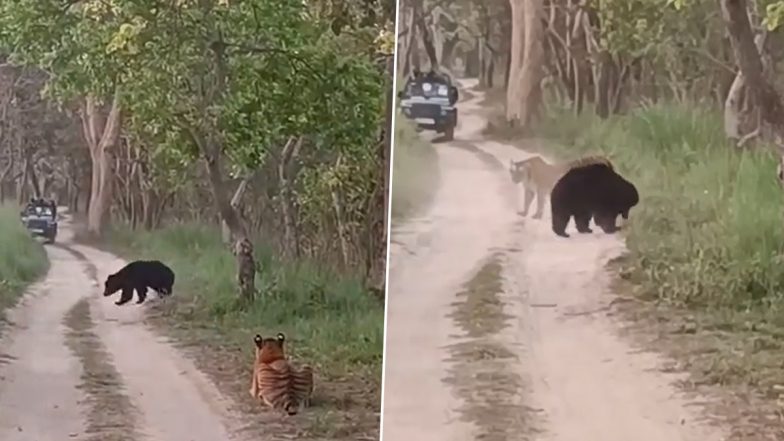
(40, 218)
(429, 100)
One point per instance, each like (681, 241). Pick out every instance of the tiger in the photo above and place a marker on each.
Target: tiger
(275, 381)
(539, 177)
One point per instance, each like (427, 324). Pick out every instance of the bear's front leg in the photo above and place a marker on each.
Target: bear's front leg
(127, 295)
(559, 222)
(141, 291)
(582, 222)
(606, 222)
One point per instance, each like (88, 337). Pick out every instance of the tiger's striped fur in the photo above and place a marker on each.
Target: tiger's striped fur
(276, 382)
(539, 177)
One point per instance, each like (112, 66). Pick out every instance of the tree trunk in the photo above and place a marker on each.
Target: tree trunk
(243, 247)
(101, 137)
(235, 203)
(5, 173)
(290, 233)
(734, 112)
(32, 178)
(603, 85)
(377, 229)
(481, 55)
(208, 141)
(337, 205)
(407, 42)
(514, 99)
(22, 186)
(448, 50)
(424, 32)
(529, 76)
(748, 58)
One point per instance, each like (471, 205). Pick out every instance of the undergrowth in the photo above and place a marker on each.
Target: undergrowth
(415, 170)
(22, 258)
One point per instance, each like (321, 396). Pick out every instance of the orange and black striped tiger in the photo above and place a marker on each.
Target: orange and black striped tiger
(275, 381)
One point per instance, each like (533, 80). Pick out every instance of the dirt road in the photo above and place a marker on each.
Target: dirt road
(75, 366)
(498, 330)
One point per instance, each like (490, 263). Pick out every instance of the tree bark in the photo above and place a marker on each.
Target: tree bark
(736, 18)
(425, 35)
(734, 103)
(528, 93)
(210, 144)
(337, 205)
(101, 137)
(514, 99)
(408, 44)
(378, 207)
(290, 233)
(235, 203)
(243, 247)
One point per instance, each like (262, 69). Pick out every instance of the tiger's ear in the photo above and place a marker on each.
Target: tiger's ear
(281, 337)
(258, 340)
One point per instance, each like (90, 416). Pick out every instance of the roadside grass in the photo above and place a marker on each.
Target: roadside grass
(705, 268)
(415, 170)
(329, 320)
(22, 258)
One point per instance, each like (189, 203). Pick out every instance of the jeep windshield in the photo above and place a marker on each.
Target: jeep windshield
(41, 211)
(427, 89)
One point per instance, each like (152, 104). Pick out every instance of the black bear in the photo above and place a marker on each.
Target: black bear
(140, 275)
(593, 190)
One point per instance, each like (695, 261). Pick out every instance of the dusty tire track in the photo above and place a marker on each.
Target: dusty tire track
(577, 378)
(38, 383)
(111, 415)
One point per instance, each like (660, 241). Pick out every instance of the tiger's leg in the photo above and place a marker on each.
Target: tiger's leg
(540, 197)
(308, 374)
(582, 221)
(254, 385)
(126, 296)
(529, 197)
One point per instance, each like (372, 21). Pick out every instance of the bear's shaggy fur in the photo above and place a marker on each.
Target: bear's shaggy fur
(594, 190)
(139, 276)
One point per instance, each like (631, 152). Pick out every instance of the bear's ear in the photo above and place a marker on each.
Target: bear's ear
(258, 340)
(281, 337)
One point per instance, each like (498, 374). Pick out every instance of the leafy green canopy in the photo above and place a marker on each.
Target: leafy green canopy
(286, 73)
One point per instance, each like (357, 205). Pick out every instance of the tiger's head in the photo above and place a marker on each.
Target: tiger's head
(269, 349)
(515, 171)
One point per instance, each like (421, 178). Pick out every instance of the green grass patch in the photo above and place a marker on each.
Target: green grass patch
(415, 170)
(331, 322)
(22, 258)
